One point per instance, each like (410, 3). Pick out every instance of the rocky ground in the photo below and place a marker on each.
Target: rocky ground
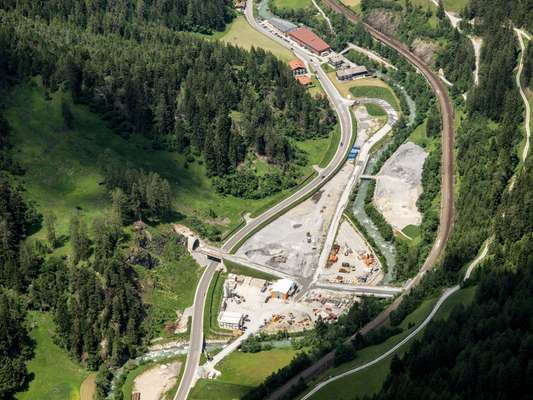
(398, 186)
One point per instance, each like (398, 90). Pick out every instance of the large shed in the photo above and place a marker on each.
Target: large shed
(351, 73)
(231, 320)
(310, 40)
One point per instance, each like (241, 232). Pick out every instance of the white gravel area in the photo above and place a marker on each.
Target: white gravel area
(155, 382)
(398, 186)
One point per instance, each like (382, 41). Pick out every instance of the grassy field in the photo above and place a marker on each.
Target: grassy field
(167, 288)
(365, 87)
(243, 35)
(455, 5)
(292, 4)
(239, 269)
(56, 376)
(63, 173)
(375, 110)
(212, 306)
(412, 230)
(315, 148)
(240, 373)
(380, 92)
(370, 380)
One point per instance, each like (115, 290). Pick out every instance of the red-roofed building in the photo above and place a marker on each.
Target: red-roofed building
(297, 67)
(310, 40)
(303, 80)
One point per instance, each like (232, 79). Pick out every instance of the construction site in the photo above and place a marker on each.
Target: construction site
(292, 243)
(351, 260)
(274, 306)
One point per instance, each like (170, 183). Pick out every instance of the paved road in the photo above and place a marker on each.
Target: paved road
(447, 180)
(345, 120)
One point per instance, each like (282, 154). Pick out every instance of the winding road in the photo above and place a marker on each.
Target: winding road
(253, 225)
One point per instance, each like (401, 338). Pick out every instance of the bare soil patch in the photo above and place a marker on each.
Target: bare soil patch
(155, 382)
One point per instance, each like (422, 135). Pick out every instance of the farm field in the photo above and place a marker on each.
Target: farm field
(65, 176)
(56, 375)
(240, 373)
(369, 381)
(243, 35)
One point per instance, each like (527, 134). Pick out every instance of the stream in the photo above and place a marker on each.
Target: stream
(387, 249)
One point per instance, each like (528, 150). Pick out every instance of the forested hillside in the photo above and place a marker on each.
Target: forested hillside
(116, 16)
(179, 91)
(170, 91)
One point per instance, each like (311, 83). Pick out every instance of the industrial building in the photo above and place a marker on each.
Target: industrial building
(297, 67)
(231, 320)
(282, 289)
(310, 40)
(347, 74)
(282, 25)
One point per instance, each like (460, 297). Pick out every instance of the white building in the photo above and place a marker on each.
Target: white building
(283, 288)
(231, 320)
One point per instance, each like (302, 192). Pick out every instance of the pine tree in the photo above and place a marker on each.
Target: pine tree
(441, 13)
(119, 205)
(50, 227)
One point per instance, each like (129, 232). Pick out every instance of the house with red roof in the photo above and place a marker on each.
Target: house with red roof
(297, 67)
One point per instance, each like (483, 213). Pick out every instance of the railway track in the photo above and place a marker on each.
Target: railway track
(447, 181)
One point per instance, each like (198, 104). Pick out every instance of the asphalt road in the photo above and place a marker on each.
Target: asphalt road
(345, 120)
(447, 180)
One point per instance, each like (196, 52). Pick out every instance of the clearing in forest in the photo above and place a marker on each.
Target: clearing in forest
(241, 34)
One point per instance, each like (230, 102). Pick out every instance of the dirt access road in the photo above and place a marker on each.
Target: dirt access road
(447, 181)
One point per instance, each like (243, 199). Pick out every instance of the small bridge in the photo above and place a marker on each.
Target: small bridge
(369, 177)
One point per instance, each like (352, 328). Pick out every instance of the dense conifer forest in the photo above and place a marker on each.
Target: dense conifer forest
(127, 62)
(116, 16)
